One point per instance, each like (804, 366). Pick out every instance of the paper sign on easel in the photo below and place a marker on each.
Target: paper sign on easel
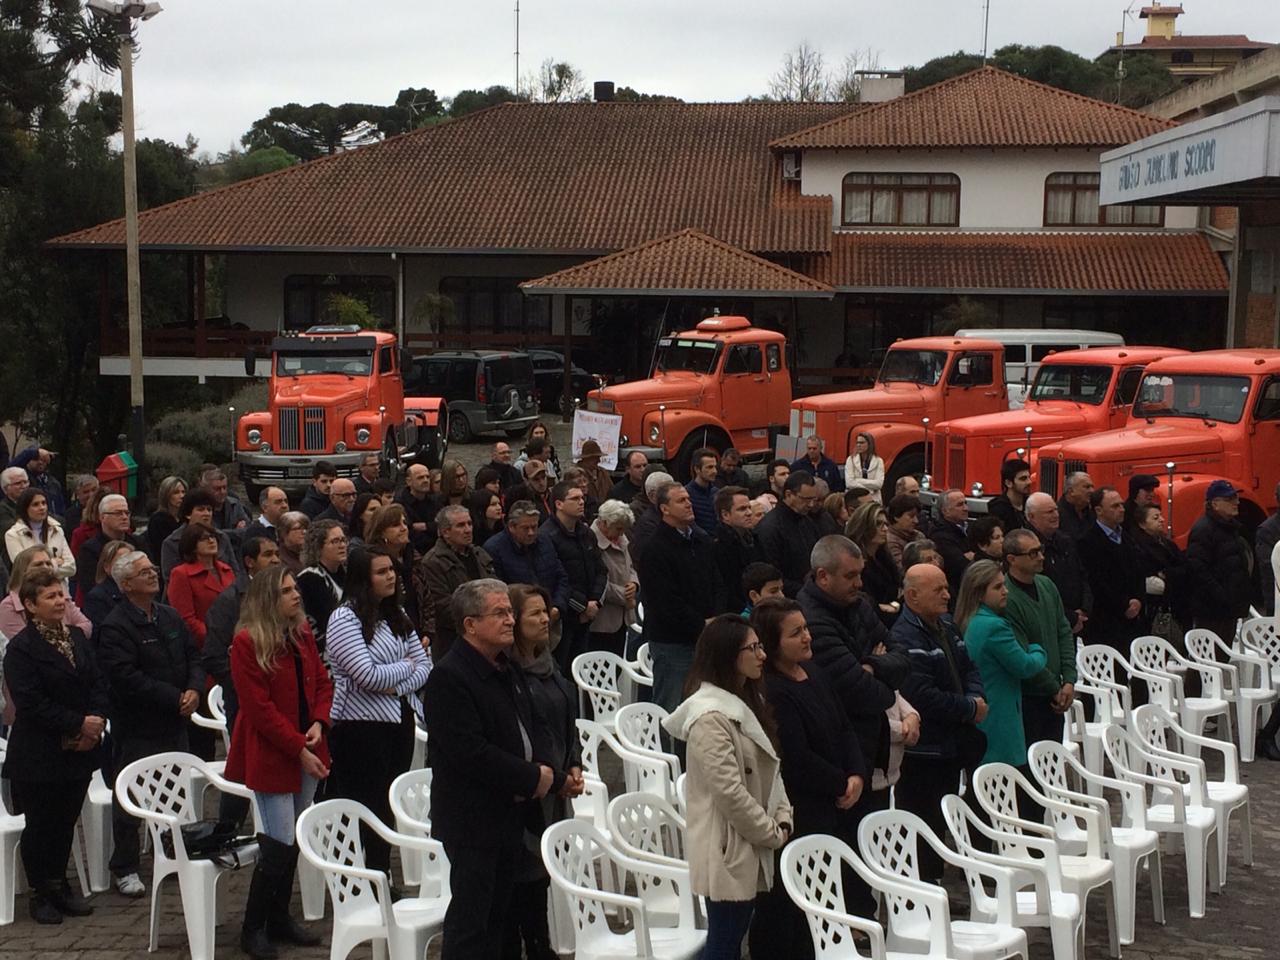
(604, 429)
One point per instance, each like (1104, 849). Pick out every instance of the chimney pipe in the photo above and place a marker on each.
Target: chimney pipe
(604, 91)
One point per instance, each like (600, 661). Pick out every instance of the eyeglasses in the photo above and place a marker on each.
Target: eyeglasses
(756, 647)
(345, 496)
(149, 572)
(504, 614)
(115, 513)
(1033, 552)
(334, 541)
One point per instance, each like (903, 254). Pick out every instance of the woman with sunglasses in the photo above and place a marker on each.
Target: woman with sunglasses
(738, 811)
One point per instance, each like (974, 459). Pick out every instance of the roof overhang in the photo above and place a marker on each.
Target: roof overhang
(1228, 158)
(1029, 292)
(753, 294)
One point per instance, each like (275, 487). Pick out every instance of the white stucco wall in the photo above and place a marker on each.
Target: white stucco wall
(999, 189)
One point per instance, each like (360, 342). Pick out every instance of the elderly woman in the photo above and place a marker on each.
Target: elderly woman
(55, 743)
(881, 578)
(13, 617)
(986, 537)
(82, 490)
(106, 593)
(291, 532)
(903, 514)
(34, 527)
(196, 582)
(618, 608)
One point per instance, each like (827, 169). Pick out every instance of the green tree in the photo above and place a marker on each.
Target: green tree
(318, 130)
(941, 68)
(557, 82)
(628, 95)
(414, 107)
(1146, 79)
(468, 101)
(1054, 66)
(236, 166)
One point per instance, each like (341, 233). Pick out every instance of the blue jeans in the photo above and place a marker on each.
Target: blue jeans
(671, 663)
(280, 811)
(727, 922)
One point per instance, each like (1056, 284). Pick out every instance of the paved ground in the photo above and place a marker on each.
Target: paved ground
(1240, 924)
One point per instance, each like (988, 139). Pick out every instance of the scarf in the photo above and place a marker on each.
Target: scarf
(59, 637)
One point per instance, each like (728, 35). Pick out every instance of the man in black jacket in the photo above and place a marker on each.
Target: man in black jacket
(316, 500)
(1115, 575)
(632, 483)
(1010, 507)
(1220, 563)
(950, 537)
(153, 669)
(787, 533)
(500, 463)
(487, 749)
(848, 643)
(574, 543)
(419, 506)
(736, 545)
(648, 517)
(1061, 559)
(682, 591)
(1074, 507)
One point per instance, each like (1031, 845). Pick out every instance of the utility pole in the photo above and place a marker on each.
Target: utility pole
(986, 23)
(517, 88)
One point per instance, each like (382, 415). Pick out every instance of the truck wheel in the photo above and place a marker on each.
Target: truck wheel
(682, 465)
(908, 464)
(391, 468)
(459, 428)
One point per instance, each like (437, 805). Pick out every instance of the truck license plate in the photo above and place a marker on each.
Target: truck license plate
(300, 472)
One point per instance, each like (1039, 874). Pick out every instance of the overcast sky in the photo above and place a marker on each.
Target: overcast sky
(212, 67)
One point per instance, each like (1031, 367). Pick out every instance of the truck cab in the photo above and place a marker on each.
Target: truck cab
(1212, 415)
(1075, 393)
(336, 394)
(723, 384)
(939, 378)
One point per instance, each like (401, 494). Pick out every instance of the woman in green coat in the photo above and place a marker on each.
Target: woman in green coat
(1000, 658)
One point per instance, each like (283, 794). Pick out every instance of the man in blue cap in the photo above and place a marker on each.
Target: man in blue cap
(1221, 563)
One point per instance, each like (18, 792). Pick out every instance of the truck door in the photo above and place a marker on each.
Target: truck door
(744, 392)
(390, 384)
(1122, 401)
(971, 386)
(1264, 469)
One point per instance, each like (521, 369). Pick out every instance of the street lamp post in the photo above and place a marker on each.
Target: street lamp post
(122, 16)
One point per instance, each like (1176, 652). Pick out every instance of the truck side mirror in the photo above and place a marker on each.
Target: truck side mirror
(964, 366)
(406, 361)
(250, 362)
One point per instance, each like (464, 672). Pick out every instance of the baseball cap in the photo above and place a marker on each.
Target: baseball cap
(1142, 481)
(1220, 489)
(533, 468)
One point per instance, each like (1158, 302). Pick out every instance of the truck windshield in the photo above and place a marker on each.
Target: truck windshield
(1192, 395)
(304, 364)
(913, 366)
(693, 356)
(1064, 382)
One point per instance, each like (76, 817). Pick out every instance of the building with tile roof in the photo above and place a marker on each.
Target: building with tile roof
(608, 223)
(1189, 57)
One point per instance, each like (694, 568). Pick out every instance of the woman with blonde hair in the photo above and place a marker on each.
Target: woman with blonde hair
(13, 615)
(868, 527)
(165, 520)
(277, 745)
(863, 468)
(1000, 658)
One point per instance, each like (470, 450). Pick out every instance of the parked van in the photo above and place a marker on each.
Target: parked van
(1025, 348)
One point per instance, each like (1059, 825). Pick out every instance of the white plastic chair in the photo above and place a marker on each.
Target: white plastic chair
(1226, 796)
(1246, 683)
(329, 838)
(164, 791)
(1130, 845)
(642, 773)
(1261, 635)
(419, 757)
(576, 855)
(996, 787)
(11, 828)
(643, 662)
(1156, 655)
(410, 796)
(93, 830)
(682, 794)
(647, 828)
(890, 842)
(1100, 668)
(639, 729)
(1185, 815)
(217, 719)
(1042, 898)
(606, 681)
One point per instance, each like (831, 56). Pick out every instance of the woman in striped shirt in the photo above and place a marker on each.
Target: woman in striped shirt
(379, 665)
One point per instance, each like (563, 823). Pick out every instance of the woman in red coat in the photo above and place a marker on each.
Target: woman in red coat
(196, 582)
(277, 745)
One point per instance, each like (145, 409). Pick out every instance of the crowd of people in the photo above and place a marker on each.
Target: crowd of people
(817, 640)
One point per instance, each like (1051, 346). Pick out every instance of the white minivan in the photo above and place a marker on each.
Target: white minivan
(1025, 348)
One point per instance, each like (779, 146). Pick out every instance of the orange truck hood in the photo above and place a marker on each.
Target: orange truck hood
(318, 391)
(668, 388)
(1048, 419)
(1143, 444)
(882, 400)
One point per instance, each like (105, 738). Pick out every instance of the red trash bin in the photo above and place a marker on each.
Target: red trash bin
(119, 474)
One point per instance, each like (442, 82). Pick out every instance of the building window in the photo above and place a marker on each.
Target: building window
(1071, 200)
(495, 305)
(901, 200)
(309, 298)
(1182, 56)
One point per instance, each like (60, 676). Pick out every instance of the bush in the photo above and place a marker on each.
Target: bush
(170, 459)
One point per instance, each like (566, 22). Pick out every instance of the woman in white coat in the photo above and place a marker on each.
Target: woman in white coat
(738, 811)
(863, 468)
(35, 528)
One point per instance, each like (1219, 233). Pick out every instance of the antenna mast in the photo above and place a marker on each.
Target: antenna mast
(986, 23)
(517, 48)
(1120, 70)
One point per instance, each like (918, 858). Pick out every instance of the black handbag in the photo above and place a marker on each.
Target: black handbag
(214, 840)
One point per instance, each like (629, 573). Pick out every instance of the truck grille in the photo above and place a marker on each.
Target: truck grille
(1049, 478)
(955, 464)
(307, 435)
(1073, 466)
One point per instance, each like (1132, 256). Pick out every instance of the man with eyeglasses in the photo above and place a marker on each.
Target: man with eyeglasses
(153, 669)
(574, 543)
(114, 520)
(1061, 559)
(342, 500)
(787, 534)
(488, 750)
(1036, 614)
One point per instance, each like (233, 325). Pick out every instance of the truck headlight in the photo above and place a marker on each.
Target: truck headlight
(655, 431)
(624, 441)
(363, 435)
(255, 436)
(265, 448)
(340, 446)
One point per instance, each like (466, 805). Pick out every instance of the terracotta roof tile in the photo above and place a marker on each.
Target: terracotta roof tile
(983, 108)
(678, 264)
(1223, 41)
(582, 177)
(1079, 262)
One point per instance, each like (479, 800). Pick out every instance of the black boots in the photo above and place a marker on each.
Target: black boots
(1266, 746)
(68, 903)
(42, 909)
(266, 914)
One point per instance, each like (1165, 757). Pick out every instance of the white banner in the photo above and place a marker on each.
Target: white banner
(603, 428)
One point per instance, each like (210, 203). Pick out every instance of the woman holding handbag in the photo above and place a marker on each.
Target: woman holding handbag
(277, 746)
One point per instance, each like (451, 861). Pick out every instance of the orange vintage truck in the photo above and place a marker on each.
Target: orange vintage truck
(336, 393)
(1212, 415)
(938, 378)
(723, 384)
(1075, 393)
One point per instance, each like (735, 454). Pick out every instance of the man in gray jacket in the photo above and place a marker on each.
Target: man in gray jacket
(453, 561)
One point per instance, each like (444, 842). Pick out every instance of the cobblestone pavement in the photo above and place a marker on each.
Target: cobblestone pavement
(1240, 923)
